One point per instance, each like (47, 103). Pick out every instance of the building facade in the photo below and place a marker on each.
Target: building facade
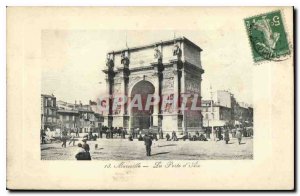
(218, 115)
(226, 111)
(79, 116)
(61, 114)
(67, 118)
(48, 112)
(167, 69)
(244, 114)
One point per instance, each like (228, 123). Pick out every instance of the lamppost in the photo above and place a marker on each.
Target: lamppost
(212, 115)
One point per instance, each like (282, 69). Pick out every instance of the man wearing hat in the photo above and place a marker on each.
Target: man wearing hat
(85, 146)
(82, 154)
(148, 143)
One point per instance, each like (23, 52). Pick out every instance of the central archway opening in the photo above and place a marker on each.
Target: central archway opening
(142, 118)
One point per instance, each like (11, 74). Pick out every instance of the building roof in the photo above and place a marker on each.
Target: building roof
(166, 42)
(45, 95)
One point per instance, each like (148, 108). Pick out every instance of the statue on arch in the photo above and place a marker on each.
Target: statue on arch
(125, 58)
(157, 54)
(110, 61)
(177, 50)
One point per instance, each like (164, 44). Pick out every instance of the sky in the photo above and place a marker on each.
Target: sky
(73, 60)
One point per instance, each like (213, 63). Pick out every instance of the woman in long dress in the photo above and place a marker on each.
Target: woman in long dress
(239, 135)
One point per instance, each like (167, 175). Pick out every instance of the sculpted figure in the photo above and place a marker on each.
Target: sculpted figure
(125, 58)
(157, 53)
(176, 50)
(109, 61)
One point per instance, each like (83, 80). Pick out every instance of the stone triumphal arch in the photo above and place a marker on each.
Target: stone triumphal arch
(168, 69)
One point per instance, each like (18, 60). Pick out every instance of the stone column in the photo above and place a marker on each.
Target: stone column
(176, 91)
(157, 95)
(124, 94)
(156, 79)
(182, 91)
(124, 84)
(110, 89)
(129, 114)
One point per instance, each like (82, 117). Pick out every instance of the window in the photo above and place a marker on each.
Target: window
(73, 118)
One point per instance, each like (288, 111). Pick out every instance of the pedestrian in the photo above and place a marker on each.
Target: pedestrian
(85, 146)
(155, 136)
(174, 137)
(214, 134)
(190, 137)
(138, 132)
(111, 133)
(43, 135)
(226, 136)
(100, 133)
(168, 136)
(239, 135)
(123, 133)
(194, 138)
(64, 141)
(115, 131)
(233, 132)
(185, 137)
(64, 138)
(77, 132)
(130, 138)
(161, 135)
(90, 136)
(207, 133)
(148, 143)
(140, 138)
(197, 136)
(82, 154)
(202, 137)
(217, 134)
(72, 139)
(107, 133)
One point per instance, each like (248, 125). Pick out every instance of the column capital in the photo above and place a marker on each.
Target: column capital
(158, 66)
(176, 63)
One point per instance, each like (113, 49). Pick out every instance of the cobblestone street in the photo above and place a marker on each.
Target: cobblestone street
(122, 149)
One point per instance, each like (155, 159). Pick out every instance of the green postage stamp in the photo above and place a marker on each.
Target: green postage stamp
(267, 37)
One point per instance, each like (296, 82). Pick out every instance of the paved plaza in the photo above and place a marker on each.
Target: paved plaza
(122, 149)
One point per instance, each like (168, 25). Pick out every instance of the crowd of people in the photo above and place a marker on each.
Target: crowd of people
(218, 134)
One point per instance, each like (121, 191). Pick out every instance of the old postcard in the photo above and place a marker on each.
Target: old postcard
(150, 98)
